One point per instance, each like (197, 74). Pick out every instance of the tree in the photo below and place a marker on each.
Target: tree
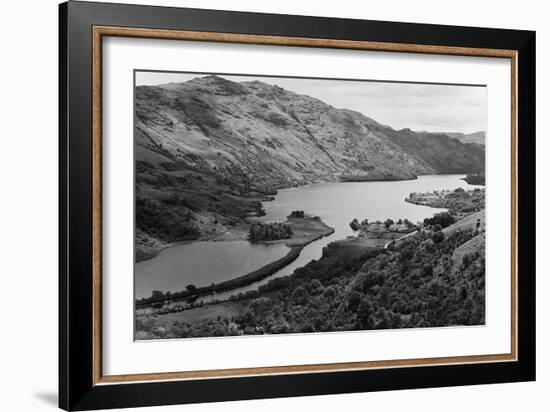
(462, 293)
(388, 223)
(427, 271)
(438, 237)
(365, 319)
(331, 292)
(406, 253)
(354, 300)
(372, 278)
(443, 219)
(299, 296)
(191, 288)
(315, 287)
(383, 319)
(157, 295)
(354, 224)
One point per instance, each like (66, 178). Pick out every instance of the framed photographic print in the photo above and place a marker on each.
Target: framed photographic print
(257, 205)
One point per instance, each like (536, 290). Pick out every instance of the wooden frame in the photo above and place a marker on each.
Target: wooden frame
(80, 161)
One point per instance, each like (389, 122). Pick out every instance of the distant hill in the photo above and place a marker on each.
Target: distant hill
(275, 137)
(209, 150)
(477, 137)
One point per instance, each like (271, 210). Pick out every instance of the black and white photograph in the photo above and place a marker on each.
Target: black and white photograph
(277, 205)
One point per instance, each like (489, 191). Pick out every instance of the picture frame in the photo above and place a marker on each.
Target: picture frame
(83, 385)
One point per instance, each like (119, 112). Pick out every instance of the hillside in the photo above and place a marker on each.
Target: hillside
(425, 281)
(443, 153)
(209, 151)
(477, 137)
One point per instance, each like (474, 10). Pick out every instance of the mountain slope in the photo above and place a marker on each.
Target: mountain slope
(209, 150)
(476, 137)
(274, 137)
(278, 138)
(445, 154)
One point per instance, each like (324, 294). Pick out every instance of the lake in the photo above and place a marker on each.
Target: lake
(202, 263)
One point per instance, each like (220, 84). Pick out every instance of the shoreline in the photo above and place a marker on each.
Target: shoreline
(194, 312)
(295, 244)
(240, 232)
(234, 312)
(152, 253)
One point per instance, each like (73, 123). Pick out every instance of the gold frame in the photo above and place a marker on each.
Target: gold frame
(101, 31)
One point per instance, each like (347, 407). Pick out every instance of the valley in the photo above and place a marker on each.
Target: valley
(209, 151)
(244, 196)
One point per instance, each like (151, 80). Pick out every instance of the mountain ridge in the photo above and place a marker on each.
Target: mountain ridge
(475, 137)
(209, 151)
(277, 121)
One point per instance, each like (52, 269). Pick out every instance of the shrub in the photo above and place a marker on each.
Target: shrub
(159, 331)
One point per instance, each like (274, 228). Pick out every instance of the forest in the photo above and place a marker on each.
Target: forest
(429, 280)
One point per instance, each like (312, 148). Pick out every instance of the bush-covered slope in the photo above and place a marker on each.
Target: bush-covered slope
(431, 279)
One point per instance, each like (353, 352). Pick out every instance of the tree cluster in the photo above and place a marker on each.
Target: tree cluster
(163, 222)
(439, 220)
(269, 231)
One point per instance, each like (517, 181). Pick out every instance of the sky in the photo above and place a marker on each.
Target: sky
(420, 107)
